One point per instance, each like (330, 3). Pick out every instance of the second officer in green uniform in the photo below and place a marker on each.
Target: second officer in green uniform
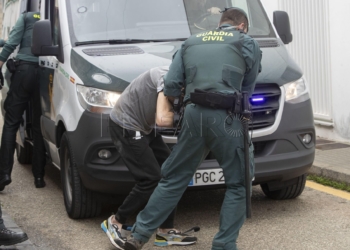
(24, 88)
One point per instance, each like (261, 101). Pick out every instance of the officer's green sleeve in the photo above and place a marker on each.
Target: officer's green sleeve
(174, 79)
(14, 39)
(2, 42)
(252, 56)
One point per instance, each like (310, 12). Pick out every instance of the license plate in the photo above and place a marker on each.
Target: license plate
(207, 177)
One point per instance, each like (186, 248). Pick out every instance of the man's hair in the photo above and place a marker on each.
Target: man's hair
(234, 16)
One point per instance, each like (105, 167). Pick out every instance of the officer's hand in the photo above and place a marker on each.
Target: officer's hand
(214, 10)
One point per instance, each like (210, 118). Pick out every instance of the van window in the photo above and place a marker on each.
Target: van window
(103, 20)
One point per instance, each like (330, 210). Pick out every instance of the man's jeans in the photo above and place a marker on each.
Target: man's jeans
(143, 155)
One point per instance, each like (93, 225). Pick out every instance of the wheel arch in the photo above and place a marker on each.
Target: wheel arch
(60, 129)
(79, 201)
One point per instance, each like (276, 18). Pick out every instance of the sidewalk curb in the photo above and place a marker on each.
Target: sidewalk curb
(334, 173)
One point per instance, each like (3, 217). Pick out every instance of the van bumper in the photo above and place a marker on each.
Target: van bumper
(279, 157)
(283, 155)
(108, 176)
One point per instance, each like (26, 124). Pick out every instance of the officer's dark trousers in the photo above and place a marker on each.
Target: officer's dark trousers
(24, 88)
(203, 130)
(143, 156)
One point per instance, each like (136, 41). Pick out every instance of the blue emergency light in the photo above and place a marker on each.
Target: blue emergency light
(257, 99)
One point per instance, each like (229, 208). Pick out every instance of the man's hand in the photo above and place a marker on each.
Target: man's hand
(1, 63)
(214, 10)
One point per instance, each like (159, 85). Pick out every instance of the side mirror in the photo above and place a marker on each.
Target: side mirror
(42, 40)
(281, 22)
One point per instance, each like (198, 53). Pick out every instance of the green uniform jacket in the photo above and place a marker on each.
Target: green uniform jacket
(224, 60)
(21, 34)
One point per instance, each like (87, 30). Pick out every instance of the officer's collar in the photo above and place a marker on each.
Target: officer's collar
(227, 26)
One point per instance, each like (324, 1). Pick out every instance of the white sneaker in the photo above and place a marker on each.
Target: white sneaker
(113, 233)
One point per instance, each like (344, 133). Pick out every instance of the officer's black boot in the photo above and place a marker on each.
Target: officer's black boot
(8, 237)
(6, 159)
(4, 180)
(39, 182)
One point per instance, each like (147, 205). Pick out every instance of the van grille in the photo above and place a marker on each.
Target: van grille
(267, 43)
(265, 104)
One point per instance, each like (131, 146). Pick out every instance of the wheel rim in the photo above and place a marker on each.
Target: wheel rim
(68, 177)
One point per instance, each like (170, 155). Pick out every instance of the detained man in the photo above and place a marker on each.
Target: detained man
(141, 107)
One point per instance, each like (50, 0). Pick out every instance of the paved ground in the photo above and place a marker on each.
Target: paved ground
(331, 161)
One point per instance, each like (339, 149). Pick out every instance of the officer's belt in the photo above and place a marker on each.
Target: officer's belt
(20, 62)
(217, 100)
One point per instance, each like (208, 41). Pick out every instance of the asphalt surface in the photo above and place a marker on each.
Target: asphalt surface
(315, 220)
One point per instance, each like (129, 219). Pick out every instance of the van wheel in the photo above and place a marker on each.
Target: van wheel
(79, 201)
(289, 192)
(24, 154)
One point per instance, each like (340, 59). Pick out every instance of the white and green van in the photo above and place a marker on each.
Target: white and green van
(90, 50)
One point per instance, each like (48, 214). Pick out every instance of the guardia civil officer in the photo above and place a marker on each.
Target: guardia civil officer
(24, 88)
(220, 60)
(8, 237)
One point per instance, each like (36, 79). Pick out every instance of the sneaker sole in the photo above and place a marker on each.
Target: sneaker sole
(172, 243)
(104, 228)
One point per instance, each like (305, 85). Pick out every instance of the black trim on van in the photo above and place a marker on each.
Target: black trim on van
(49, 133)
(280, 156)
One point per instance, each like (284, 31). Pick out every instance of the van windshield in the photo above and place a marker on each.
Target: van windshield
(155, 20)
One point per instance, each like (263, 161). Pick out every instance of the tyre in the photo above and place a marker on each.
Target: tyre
(289, 192)
(79, 201)
(24, 154)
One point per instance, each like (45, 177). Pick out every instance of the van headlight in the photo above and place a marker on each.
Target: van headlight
(96, 100)
(296, 91)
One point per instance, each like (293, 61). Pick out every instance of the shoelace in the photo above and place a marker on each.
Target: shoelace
(119, 232)
(194, 229)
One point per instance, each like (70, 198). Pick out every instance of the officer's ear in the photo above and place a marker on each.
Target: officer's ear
(242, 27)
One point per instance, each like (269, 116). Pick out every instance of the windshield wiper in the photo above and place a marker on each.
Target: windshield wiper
(127, 41)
